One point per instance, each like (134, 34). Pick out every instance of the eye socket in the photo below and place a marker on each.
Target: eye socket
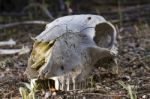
(104, 35)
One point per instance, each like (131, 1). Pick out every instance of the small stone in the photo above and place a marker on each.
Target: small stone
(144, 97)
(84, 97)
(47, 95)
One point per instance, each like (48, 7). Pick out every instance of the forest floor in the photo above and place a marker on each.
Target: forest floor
(130, 79)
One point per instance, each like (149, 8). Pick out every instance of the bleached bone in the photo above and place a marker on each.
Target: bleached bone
(70, 46)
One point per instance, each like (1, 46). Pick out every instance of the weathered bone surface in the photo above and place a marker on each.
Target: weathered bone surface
(68, 48)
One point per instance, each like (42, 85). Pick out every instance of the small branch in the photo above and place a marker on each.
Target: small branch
(109, 95)
(62, 5)
(45, 10)
(10, 25)
(10, 42)
(13, 14)
(21, 51)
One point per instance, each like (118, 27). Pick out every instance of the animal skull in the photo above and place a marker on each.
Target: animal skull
(69, 47)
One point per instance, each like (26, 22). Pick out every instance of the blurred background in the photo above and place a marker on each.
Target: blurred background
(115, 10)
(21, 20)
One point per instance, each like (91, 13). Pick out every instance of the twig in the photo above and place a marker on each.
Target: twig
(10, 42)
(10, 25)
(45, 10)
(110, 95)
(89, 90)
(141, 60)
(13, 14)
(133, 8)
(23, 50)
(62, 5)
(145, 65)
(9, 93)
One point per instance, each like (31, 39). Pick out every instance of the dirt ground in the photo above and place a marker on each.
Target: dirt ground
(133, 66)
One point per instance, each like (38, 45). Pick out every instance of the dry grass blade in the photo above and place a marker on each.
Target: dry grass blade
(129, 89)
(28, 92)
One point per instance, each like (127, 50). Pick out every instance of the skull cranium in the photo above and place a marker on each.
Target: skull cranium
(70, 46)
